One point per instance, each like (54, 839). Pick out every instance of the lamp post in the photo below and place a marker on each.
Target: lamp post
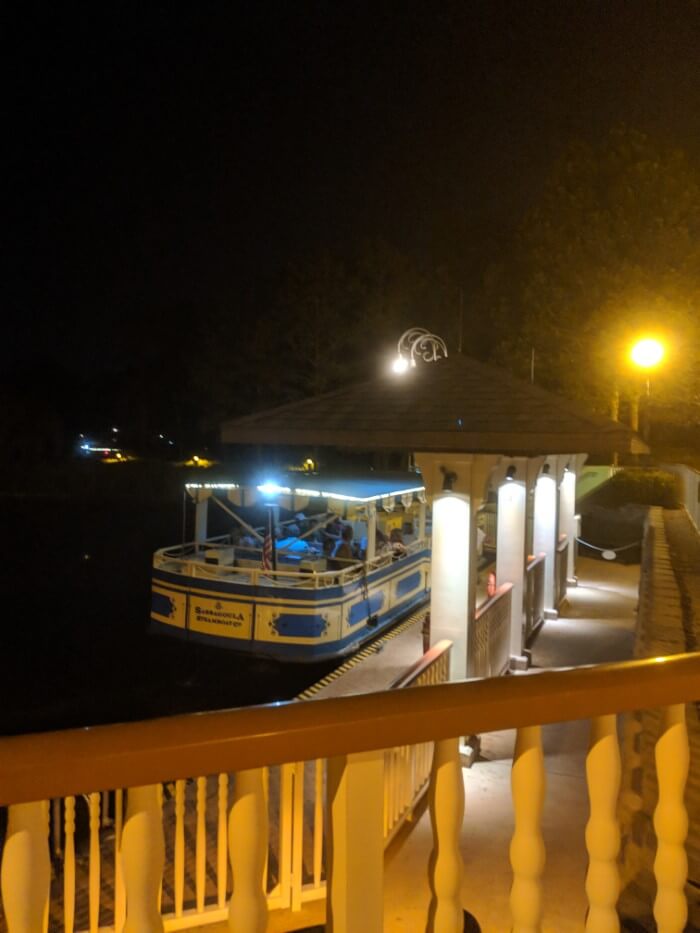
(646, 354)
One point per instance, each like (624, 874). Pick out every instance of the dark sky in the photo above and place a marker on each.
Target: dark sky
(171, 155)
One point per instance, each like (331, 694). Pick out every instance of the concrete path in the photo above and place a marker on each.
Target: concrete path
(596, 626)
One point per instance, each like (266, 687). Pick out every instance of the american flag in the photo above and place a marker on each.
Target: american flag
(267, 552)
(267, 544)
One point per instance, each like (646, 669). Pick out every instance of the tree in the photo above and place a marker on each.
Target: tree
(611, 249)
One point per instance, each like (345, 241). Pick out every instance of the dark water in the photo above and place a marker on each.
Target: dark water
(75, 645)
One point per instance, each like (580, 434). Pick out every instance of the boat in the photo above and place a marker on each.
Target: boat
(277, 590)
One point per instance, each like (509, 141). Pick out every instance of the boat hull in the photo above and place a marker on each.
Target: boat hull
(288, 623)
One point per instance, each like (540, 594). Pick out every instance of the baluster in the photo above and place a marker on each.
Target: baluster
(26, 867)
(201, 843)
(69, 866)
(56, 827)
(445, 914)
(119, 893)
(179, 861)
(143, 855)
(355, 843)
(94, 869)
(671, 822)
(298, 835)
(285, 839)
(603, 771)
(248, 839)
(527, 854)
(221, 842)
(318, 820)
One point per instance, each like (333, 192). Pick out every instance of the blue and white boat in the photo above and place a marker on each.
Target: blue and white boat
(309, 604)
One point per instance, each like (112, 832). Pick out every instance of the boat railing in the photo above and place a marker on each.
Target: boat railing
(191, 565)
(123, 767)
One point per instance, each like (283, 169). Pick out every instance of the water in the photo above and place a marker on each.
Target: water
(75, 645)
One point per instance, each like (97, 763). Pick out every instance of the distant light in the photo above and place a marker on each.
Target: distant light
(647, 353)
(115, 430)
(172, 443)
(81, 435)
(118, 455)
(272, 489)
(161, 436)
(510, 473)
(400, 364)
(196, 458)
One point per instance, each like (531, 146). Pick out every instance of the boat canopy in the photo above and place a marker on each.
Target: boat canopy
(356, 488)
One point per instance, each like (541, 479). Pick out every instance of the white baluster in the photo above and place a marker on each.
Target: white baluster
(201, 843)
(26, 867)
(603, 771)
(318, 820)
(527, 854)
(671, 822)
(355, 843)
(94, 869)
(179, 861)
(69, 867)
(143, 854)
(248, 839)
(298, 835)
(445, 914)
(119, 893)
(221, 841)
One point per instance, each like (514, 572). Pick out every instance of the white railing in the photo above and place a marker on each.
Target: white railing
(492, 634)
(165, 559)
(351, 731)
(88, 888)
(534, 596)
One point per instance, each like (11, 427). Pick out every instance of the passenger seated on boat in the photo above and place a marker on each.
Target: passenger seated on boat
(333, 530)
(396, 541)
(342, 553)
(381, 542)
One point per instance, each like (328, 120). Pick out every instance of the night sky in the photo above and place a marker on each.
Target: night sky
(165, 156)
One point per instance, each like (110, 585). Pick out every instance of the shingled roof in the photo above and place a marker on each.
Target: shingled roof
(456, 404)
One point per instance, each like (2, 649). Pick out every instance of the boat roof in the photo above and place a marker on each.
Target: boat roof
(352, 487)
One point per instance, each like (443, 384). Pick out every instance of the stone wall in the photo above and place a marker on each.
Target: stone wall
(667, 624)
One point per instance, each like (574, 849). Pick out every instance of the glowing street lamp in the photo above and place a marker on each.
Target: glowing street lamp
(647, 353)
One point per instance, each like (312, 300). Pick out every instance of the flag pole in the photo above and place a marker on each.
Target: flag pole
(271, 532)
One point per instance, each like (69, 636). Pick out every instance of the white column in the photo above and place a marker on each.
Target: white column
(200, 518)
(422, 521)
(567, 517)
(510, 553)
(371, 530)
(450, 573)
(356, 843)
(545, 533)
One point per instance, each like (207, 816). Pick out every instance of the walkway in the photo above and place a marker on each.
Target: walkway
(597, 625)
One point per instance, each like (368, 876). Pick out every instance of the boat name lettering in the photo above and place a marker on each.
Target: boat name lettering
(220, 616)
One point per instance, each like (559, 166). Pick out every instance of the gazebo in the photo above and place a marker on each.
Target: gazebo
(468, 427)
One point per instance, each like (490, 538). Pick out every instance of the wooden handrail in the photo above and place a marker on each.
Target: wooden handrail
(421, 665)
(492, 600)
(54, 764)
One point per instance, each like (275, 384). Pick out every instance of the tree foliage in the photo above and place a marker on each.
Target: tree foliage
(610, 251)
